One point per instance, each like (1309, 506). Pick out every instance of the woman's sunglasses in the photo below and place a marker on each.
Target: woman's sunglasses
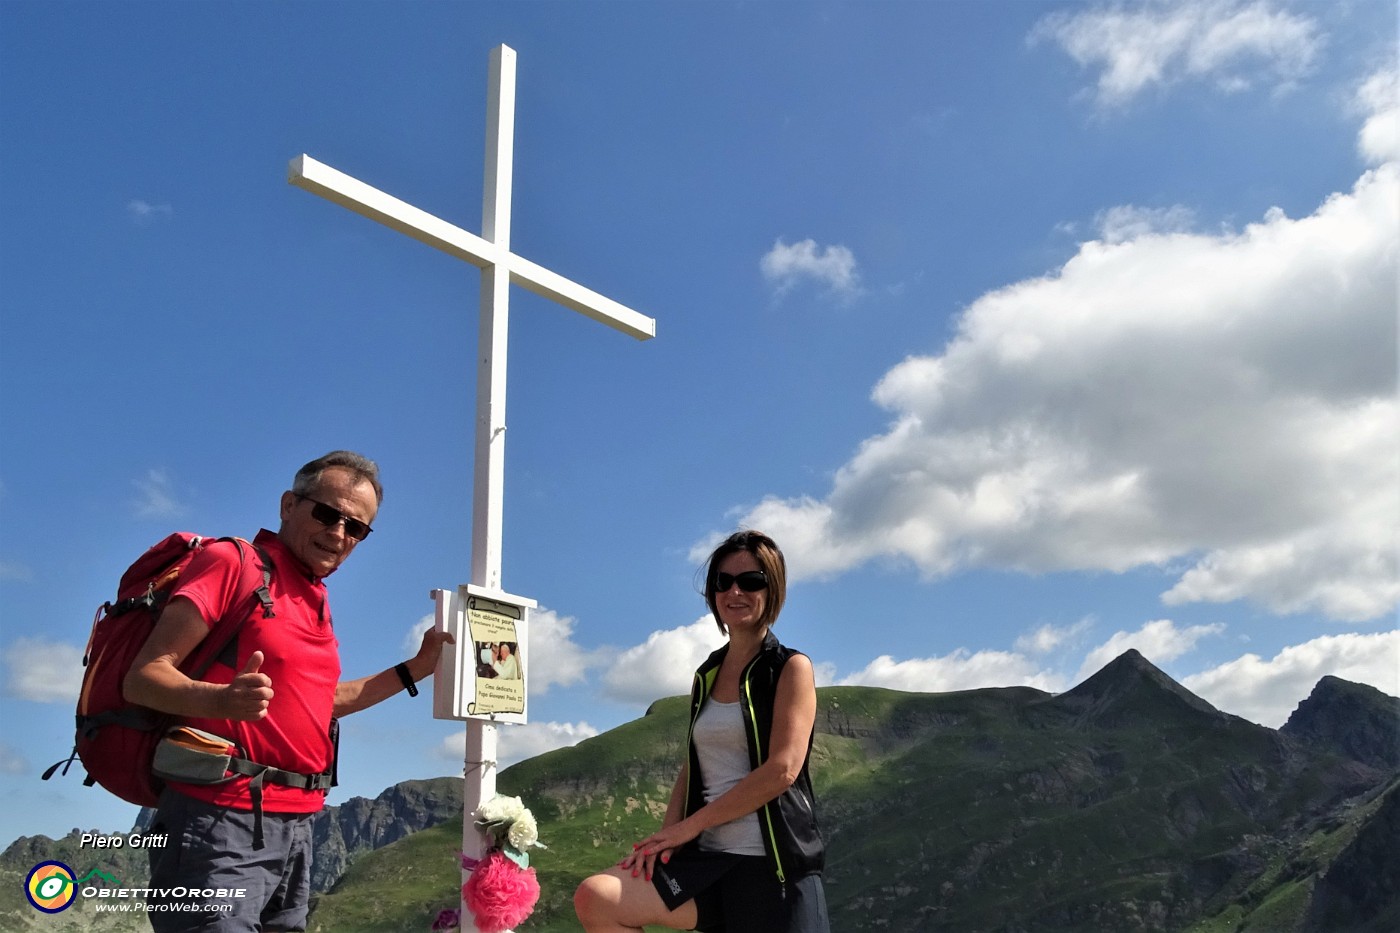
(330, 517)
(750, 581)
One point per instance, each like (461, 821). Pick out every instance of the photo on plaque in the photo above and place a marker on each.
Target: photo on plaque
(496, 637)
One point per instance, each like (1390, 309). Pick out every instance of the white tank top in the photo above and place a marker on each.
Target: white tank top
(724, 761)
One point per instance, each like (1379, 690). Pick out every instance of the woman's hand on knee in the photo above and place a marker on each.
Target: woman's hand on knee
(661, 844)
(641, 863)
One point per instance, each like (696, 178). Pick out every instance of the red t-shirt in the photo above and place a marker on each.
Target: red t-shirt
(300, 654)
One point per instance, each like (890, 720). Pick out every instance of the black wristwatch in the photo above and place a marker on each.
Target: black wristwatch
(407, 678)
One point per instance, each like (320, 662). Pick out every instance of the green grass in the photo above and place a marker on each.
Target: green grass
(975, 810)
(401, 887)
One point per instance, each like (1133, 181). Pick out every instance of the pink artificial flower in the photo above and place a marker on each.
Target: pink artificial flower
(499, 893)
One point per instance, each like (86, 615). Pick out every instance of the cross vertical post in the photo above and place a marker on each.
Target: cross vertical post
(500, 268)
(488, 493)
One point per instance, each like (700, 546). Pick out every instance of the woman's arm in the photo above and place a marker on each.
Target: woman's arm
(641, 862)
(676, 808)
(794, 714)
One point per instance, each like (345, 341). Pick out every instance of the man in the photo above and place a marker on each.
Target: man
(507, 667)
(275, 699)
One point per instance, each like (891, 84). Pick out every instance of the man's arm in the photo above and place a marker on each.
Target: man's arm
(351, 696)
(155, 678)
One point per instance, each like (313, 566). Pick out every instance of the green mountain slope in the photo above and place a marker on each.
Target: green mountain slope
(1124, 804)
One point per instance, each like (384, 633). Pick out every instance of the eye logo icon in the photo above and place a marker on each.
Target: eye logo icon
(50, 887)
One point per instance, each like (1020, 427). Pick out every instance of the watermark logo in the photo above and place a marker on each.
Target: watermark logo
(51, 887)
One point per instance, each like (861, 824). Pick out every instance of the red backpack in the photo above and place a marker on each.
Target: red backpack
(116, 740)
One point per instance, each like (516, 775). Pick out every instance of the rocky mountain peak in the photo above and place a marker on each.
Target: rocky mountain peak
(1349, 719)
(1129, 686)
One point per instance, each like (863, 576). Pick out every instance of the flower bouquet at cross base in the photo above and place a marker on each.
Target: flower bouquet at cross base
(502, 890)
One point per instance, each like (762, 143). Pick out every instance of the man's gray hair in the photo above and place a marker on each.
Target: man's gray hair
(365, 469)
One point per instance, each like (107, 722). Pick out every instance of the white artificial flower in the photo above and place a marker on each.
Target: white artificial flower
(523, 832)
(500, 809)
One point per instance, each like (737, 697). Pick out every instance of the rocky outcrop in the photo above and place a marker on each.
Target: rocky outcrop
(340, 834)
(359, 825)
(1126, 803)
(1355, 721)
(1361, 889)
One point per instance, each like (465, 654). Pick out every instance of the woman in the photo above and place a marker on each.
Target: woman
(739, 849)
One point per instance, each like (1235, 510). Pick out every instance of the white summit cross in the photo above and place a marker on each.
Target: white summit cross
(499, 268)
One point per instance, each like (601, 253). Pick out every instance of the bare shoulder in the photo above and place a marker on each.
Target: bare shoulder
(798, 680)
(799, 666)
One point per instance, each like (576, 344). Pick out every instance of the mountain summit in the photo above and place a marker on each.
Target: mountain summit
(1129, 688)
(1353, 720)
(1124, 804)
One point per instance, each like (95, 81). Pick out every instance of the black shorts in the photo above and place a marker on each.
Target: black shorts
(740, 893)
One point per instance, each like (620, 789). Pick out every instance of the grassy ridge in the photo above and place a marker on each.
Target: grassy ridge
(591, 801)
(1126, 804)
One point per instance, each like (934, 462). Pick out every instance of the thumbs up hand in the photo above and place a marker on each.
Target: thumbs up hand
(248, 696)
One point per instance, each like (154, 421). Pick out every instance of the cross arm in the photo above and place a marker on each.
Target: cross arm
(585, 301)
(320, 179)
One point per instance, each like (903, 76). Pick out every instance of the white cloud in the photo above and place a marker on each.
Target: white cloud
(662, 666)
(1262, 691)
(14, 572)
(959, 670)
(1221, 403)
(1160, 642)
(1379, 100)
(1128, 222)
(144, 212)
(555, 658)
(516, 743)
(1230, 44)
(1267, 691)
(11, 761)
(158, 499)
(1047, 638)
(44, 671)
(834, 267)
(414, 639)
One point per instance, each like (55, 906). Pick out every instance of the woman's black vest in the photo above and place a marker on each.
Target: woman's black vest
(788, 823)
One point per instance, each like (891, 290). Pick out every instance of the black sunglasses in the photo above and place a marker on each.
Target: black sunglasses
(330, 516)
(750, 581)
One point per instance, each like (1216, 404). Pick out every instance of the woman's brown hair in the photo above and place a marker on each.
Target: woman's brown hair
(770, 559)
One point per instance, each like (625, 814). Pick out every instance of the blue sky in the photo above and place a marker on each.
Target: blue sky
(1033, 331)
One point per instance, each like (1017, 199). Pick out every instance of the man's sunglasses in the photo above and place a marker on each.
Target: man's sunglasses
(750, 581)
(331, 516)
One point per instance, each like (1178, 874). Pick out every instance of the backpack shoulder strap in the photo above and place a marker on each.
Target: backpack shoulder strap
(263, 591)
(255, 590)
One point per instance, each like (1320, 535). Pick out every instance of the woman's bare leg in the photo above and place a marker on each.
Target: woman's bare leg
(616, 902)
